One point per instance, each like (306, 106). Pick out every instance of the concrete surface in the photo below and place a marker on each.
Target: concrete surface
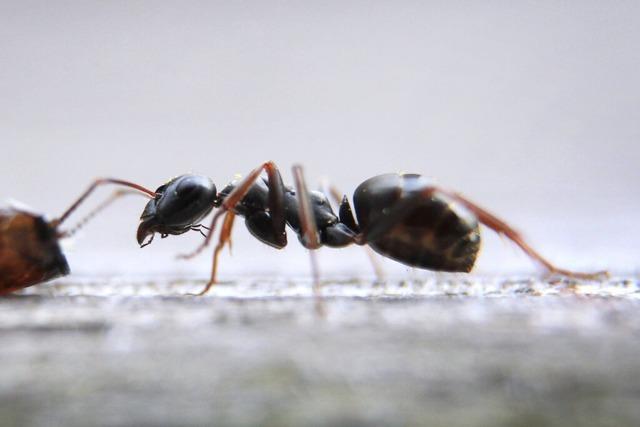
(445, 351)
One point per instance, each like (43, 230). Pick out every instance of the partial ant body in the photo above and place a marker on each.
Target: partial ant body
(30, 251)
(402, 217)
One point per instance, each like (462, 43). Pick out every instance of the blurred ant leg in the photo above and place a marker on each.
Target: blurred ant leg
(346, 217)
(92, 187)
(276, 204)
(310, 236)
(102, 206)
(223, 238)
(502, 228)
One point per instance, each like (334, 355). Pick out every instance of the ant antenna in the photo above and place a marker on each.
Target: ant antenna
(56, 222)
(102, 206)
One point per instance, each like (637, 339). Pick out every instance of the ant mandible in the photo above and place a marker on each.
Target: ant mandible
(401, 216)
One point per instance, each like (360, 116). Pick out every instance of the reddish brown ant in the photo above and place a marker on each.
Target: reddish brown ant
(30, 252)
(401, 216)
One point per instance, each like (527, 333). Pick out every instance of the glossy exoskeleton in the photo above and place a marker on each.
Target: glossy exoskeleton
(401, 216)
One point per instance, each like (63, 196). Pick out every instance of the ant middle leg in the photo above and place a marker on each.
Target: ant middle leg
(310, 236)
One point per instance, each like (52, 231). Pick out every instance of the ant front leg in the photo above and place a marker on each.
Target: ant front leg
(276, 204)
(276, 211)
(225, 238)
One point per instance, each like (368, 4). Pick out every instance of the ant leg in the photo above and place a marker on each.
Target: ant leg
(311, 238)
(346, 217)
(310, 235)
(56, 222)
(502, 228)
(276, 204)
(224, 238)
(102, 206)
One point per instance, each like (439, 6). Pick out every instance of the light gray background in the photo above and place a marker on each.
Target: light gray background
(530, 108)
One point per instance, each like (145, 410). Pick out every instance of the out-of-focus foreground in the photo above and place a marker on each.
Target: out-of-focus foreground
(446, 351)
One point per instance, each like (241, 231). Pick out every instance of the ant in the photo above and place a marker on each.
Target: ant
(401, 216)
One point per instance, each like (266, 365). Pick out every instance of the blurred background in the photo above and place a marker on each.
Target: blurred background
(532, 109)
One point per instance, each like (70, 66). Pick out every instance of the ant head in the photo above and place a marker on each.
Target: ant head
(179, 205)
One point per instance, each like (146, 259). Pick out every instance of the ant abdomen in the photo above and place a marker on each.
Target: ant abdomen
(433, 232)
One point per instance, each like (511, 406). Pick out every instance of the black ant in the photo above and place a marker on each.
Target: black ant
(401, 216)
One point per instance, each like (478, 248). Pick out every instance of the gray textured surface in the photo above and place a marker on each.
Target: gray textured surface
(448, 351)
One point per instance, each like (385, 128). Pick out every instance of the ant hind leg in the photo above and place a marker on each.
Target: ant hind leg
(502, 228)
(346, 217)
(402, 208)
